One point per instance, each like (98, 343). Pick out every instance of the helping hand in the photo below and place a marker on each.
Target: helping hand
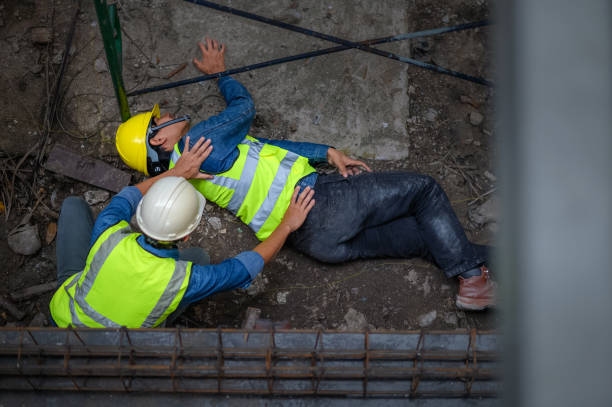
(213, 59)
(298, 209)
(345, 164)
(188, 165)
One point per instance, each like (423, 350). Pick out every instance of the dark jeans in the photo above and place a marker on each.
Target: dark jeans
(396, 214)
(73, 235)
(74, 230)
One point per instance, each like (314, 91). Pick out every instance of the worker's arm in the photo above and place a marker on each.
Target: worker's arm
(228, 128)
(239, 271)
(316, 153)
(123, 205)
(187, 166)
(232, 273)
(294, 217)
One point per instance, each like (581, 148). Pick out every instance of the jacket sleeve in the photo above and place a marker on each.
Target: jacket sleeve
(121, 207)
(227, 129)
(316, 153)
(237, 272)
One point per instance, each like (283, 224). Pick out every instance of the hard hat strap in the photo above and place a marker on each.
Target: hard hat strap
(157, 158)
(177, 120)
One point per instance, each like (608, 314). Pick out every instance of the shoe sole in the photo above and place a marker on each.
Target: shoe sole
(470, 304)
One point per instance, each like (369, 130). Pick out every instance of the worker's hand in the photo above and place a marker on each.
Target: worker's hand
(345, 164)
(298, 209)
(213, 57)
(188, 164)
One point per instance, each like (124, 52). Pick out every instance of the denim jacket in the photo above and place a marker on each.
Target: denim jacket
(227, 129)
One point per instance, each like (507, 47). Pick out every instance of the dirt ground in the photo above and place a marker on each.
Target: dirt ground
(446, 131)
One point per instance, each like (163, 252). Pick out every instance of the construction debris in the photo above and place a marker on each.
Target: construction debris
(355, 320)
(11, 309)
(427, 319)
(100, 65)
(85, 169)
(39, 320)
(33, 291)
(177, 70)
(252, 314)
(96, 197)
(51, 232)
(476, 118)
(24, 239)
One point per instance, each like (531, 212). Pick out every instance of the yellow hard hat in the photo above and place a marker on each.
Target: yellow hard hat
(131, 140)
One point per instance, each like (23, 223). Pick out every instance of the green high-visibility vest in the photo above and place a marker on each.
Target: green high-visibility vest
(259, 185)
(122, 284)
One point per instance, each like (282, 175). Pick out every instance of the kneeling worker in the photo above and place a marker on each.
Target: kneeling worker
(109, 276)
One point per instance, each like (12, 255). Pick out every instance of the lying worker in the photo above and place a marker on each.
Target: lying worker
(112, 277)
(357, 215)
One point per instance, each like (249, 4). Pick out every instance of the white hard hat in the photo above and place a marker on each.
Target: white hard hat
(170, 210)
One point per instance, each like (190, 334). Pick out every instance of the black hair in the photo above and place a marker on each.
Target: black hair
(160, 245)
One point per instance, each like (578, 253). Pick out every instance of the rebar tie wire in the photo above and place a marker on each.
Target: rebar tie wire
(362, 45)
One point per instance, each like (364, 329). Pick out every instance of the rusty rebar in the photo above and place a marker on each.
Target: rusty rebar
(273, 362)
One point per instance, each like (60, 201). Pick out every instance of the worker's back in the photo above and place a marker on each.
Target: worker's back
(122, 285)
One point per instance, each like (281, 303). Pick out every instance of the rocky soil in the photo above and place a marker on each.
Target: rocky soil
(449, 125)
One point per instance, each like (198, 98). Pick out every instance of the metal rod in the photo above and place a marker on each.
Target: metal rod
(111, 37)
(338, 40)
(310, 54)
(366, 364)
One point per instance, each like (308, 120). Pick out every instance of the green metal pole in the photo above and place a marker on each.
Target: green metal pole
(111, 36)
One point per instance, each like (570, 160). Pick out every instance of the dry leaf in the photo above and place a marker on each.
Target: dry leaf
(51, 232)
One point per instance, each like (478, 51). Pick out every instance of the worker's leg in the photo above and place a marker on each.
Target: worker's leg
(345, 207)
(195, 255)
(73, 235)
(400, 238)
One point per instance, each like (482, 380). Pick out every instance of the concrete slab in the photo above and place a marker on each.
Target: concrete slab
(352, 100)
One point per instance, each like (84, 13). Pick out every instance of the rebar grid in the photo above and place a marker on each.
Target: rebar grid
(230, 361)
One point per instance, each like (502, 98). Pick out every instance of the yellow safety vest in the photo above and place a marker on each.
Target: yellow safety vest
(258, 187)
(122, 284)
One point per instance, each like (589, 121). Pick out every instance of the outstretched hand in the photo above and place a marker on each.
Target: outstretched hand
(213, 57)
(298, 210)
(345, 164)
(188, 164)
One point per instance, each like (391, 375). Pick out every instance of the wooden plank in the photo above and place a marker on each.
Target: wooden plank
(33, 291)
(89, 170)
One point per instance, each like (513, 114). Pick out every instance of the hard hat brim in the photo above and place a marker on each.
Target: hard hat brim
(155, 111)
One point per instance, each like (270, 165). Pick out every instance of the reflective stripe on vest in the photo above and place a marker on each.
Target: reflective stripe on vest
(285, 170)
(76, 289)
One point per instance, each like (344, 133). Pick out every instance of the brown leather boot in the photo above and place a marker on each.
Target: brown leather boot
(476, 293)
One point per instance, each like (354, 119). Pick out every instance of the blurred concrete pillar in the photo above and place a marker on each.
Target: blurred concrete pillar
(555, 154)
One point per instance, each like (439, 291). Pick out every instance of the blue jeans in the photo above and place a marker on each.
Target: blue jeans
(395, 214)
(74, 230)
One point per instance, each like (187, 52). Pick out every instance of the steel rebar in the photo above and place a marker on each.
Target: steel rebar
(288, 362)
(337, 40)
(307, 55)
